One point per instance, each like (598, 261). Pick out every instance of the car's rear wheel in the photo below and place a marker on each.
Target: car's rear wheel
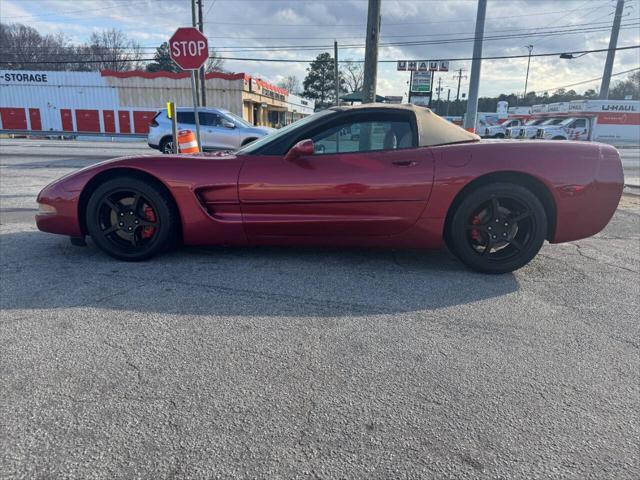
(499, 135)
(166, 145)
(498, 228)
(131, 219)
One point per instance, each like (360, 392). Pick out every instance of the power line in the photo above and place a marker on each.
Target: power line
(110, 7)
(289, 60)
(276, 48)
(591, 80)
(331, 37)
(385, 24)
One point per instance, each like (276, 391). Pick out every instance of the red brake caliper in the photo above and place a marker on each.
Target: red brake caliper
(149, 214)
(475, 233)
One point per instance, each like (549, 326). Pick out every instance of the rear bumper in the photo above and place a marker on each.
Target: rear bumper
(585, 211)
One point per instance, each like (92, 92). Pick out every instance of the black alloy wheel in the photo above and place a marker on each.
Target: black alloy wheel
(498, 228)
(166, 146)
(131, 219)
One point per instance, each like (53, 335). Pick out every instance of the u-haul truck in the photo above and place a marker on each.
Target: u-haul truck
(541, 116)
(616, 122)
(517, 116)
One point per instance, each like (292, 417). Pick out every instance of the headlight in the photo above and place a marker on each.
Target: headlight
(44, 209)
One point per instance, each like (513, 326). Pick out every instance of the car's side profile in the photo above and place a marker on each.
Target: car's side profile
(367, 176)
(219, 129)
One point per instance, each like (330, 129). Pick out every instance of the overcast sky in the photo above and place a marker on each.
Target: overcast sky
(232, 25)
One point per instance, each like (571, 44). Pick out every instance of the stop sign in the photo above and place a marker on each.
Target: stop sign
(189, 48)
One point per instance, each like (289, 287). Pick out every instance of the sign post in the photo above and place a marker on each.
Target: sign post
(171, 112)
(189, 49)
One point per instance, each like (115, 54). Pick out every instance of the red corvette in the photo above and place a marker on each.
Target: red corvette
(368, 176)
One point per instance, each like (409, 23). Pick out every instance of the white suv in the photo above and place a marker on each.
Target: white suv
(219, 129)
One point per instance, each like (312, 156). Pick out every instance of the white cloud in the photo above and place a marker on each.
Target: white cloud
(239, 23)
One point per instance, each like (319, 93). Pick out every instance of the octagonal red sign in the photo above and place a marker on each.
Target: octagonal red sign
(189, 48)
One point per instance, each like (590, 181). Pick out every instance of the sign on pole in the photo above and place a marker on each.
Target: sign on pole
(189, 49)
(423, 66)
(412, 65)
(402, 65)
(444, 66)
(421, 82)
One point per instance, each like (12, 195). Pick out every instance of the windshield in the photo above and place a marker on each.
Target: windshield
(253, 146)
(534, 122)
(552, 121)
(567, 121)
(232, 117)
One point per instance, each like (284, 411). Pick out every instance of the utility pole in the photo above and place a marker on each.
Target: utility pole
(203, 88)
(526, 80)
(410, 86)
(194, 24)
(448, 99)
(371, 52)
(474, 81)
(459, 77)
(194, 84)
(611, 54)
(337, 72)
(439, 108)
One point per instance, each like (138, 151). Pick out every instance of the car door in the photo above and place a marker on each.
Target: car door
(578, 130)
(215, 134)
(366, 178)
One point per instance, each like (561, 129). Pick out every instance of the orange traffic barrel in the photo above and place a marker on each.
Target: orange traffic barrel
(187, 142)
(471, 129)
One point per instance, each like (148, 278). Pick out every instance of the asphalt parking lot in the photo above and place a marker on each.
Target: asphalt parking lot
(278, 363)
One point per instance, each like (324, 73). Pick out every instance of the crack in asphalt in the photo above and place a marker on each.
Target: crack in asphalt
(582, 254)
(295, 299)
(127, 359)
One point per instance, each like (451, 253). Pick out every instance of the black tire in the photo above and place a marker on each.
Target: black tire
(166, 145)
(131, 219)
(499, 135)
(497, 242)
(247, 141)
(558, 138)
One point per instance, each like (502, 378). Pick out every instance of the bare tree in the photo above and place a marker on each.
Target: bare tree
(215, 63)
(353, 75)
(24, 48)
(291, 84)
(113, 50)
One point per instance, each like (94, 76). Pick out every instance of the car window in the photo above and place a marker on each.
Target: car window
(236, 119)
(209, 119)
(186, 117)
(580, 123)
(284, 132)
(364, 136)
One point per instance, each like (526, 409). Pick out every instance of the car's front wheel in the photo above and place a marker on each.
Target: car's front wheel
(131, 219)
(498, 228)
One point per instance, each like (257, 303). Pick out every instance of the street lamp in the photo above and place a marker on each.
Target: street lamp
(571, 56)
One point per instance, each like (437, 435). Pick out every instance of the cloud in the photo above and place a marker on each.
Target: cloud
(231, 24)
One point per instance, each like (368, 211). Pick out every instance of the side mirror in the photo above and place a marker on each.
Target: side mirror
(228, 124)
(300, 149)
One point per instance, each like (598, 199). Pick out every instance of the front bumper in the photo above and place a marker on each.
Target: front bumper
(59, 213)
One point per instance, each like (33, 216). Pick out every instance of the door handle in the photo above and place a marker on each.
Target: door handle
(405, 163)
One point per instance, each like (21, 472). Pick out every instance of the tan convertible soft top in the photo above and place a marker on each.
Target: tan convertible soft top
(432, 129)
